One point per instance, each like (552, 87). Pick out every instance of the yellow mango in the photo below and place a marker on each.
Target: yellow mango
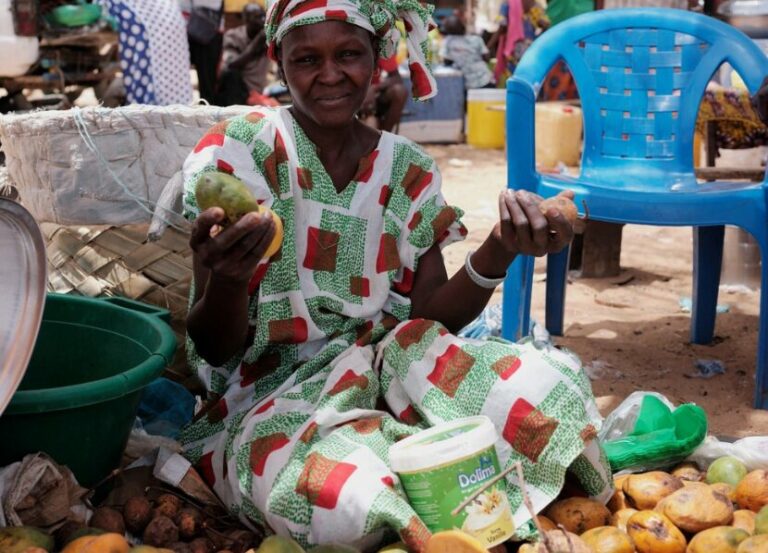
(755, 544)
(645, 490)
(608, 539)
(721, 539)
(279, 544)
(454, 541)
(619, 518)
(579, 514)
(17, 539)
(653, 532)
(752, 491)
(744, 519)
(696, 508)
(104, 543)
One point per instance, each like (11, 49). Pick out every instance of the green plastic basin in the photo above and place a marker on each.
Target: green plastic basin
(79, 396)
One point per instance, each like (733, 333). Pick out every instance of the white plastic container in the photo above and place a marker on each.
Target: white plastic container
(442, 467)
(18, 52)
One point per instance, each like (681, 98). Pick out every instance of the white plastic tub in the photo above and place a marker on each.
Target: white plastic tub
(17, 53)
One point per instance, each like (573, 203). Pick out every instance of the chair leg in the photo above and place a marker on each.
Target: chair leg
(557, 278)
(707, 261)
(761, 368)
(516, 300)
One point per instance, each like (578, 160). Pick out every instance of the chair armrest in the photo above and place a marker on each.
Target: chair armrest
(521, 135)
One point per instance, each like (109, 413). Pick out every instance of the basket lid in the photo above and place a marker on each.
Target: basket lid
(22, 293)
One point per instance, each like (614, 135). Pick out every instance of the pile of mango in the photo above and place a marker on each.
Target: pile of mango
(686, 510)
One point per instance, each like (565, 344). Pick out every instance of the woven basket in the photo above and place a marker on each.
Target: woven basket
(108, 260)
(101, 166)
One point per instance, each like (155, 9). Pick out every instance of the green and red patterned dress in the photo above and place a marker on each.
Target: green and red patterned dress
(304, 449)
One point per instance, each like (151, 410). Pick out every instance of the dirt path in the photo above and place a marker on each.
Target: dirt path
(630, 329)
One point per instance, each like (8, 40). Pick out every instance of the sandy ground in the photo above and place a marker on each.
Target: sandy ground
(630, 329)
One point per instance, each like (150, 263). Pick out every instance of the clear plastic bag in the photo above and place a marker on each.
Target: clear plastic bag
(752, 451)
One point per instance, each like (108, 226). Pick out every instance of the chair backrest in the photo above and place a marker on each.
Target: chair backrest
(641, 74)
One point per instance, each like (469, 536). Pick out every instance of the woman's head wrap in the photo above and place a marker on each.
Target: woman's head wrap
(375, 16)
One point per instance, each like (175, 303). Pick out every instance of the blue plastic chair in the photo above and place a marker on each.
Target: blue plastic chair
(641, 74)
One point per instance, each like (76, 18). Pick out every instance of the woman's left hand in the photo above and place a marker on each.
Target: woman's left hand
(524, 229)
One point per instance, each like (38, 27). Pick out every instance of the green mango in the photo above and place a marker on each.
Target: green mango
(15, 539)
(726, 469)
(761, 521)
(333, 548)
(227, 192)
(279, 544)
(87, 531)
(148, 549)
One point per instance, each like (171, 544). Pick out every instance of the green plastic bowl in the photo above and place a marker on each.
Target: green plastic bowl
(75, 15)
(79, 396)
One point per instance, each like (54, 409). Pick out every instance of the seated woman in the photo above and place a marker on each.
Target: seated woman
(321, 357)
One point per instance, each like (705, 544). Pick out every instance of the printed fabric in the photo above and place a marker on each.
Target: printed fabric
(298, 432)
(154, 54)
(375, 16)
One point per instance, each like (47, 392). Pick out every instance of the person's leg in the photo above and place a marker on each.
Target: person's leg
(539, 400)
(205, 58)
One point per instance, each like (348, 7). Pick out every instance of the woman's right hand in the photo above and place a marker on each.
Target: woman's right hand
(231, 253)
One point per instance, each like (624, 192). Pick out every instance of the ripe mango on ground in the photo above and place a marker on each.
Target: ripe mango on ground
(454, 541)
(645, 490)
(752, 492)
(608, 539)
(696, 508)
(744, 519)
(755, 544)
(578, 514)
(721, 539)
(653, 532)
(104, 543)
(619, 518)
(16, 539)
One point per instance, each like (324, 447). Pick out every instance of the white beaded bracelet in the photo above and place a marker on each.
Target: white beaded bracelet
(477, 278)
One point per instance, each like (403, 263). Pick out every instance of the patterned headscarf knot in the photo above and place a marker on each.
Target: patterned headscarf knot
(375, 16)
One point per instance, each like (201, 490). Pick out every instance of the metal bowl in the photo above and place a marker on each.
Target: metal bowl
(22, 293)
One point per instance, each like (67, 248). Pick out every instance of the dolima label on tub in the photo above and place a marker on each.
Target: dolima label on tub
(442, 467)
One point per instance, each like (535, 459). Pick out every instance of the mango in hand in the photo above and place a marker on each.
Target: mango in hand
(222, 190)
(563, 204)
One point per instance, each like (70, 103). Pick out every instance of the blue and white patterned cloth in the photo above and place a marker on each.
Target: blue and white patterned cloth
(154, 53)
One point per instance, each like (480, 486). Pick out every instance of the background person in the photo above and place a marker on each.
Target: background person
(245, 65)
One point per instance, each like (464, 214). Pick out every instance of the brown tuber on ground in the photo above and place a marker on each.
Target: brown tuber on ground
(563, 205)
(243, 540)
(189, 521)
(180, 547)
(160, 532)
(202, 545)
(108, 519)
(137, 512)
(167, 505)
